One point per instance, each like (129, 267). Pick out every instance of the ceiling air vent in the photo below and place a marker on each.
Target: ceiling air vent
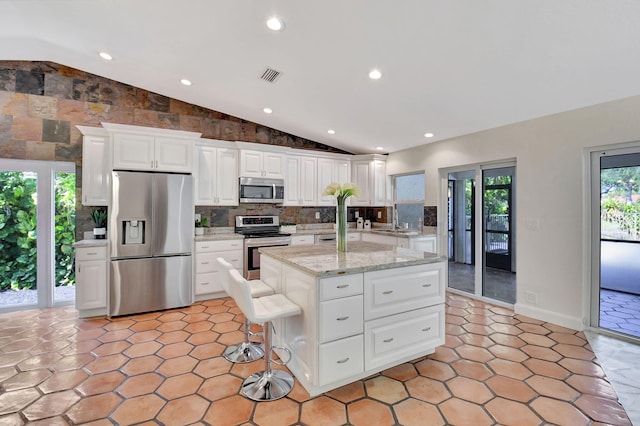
(270, 75)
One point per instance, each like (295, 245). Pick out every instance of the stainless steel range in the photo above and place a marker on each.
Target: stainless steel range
(259, 231)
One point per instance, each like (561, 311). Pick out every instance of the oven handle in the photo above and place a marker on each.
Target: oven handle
(258, 243)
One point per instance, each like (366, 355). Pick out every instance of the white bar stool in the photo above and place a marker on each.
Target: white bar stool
(246, 351)
(267, 385)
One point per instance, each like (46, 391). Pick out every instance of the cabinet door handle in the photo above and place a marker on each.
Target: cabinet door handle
(426, 285)
(387, 292)
(204, 263)
(204, 247)
(342, 318)
(233, 260)
(156, 164)
(343, 286)
(342, 361)
(390, 339)
(208, 284)
(152, 164)
(92, 253)
(426, 329)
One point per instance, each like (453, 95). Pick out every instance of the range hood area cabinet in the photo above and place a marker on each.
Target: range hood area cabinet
(261, 163)
(215, 173)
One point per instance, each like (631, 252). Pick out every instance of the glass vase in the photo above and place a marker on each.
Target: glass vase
(341, 224)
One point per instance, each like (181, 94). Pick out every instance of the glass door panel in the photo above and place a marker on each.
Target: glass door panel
(461, 204)
(18, 238)
(64, 236)
(498, 275)
(619, 289)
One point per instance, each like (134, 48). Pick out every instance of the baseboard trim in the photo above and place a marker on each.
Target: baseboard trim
(549, 316)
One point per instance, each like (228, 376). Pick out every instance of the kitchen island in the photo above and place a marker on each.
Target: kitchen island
(363, 311)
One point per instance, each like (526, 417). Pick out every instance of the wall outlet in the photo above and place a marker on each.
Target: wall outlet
(531, 298)
(197, 216)
(379, 215)
(317, 215)
(357, 214)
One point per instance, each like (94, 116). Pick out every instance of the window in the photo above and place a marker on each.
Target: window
(409, 200)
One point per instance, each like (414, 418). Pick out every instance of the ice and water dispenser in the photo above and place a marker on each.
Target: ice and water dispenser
(133, 232)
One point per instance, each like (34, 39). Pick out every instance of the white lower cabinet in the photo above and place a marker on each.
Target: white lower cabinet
(341, 318)
(207, 282)
(298, 240)
(341, 359)
(91, 281)
(403, 335)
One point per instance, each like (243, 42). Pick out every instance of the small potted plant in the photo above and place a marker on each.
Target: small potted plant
(200, 225)
(100, 221)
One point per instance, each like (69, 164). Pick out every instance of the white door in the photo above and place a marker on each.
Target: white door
(173, 155)
(37, 233)
(133, 152)
(227, 177)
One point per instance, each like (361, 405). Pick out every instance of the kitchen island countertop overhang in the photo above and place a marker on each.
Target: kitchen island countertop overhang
(325, 261)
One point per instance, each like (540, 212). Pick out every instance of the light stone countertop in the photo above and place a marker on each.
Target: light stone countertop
(368, 231)
(90, 243)
(325, 261)
(218, 237)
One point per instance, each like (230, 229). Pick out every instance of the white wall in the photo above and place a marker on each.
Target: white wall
(549, 187)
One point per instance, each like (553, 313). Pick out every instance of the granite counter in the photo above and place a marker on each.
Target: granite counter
(324, 260)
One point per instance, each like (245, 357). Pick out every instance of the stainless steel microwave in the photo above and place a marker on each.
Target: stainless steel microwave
(260, 190)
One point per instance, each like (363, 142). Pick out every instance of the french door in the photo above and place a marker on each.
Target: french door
(615, 246)
(37, 230)
(481, 222)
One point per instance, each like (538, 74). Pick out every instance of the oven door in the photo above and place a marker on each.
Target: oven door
(252, 255)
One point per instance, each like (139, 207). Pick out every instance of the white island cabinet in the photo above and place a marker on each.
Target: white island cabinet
(363, 311)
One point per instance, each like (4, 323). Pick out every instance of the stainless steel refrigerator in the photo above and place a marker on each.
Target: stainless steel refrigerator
(151, 236)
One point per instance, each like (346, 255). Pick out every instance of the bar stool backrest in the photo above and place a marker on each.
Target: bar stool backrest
(225, 268)
(241, 293)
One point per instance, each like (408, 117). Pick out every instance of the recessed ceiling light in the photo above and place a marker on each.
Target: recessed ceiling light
(428, 135)
(105, 56)
(275, 24)
(331, 132)
(267, 110)
(185, 82)
(380, 148)
(375, 74)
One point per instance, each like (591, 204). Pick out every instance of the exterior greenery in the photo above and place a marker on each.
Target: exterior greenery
(18, 252)
(620, 200)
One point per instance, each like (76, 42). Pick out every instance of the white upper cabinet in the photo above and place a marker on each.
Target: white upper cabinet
(301, 184)
(264, 164)
(145, 148)
(215, 175)
(95, 166)
(369, 174)
(331, 170)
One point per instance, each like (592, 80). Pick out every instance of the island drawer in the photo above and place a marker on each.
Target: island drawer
(403, 335)
(392, 291)
(341, 359)
(91, 253)
(341, 286)
(341, 318)
(222, 245)
(297, 240)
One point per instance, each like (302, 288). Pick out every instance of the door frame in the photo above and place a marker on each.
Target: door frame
(45, 274)
(592, 233)
(478, 241)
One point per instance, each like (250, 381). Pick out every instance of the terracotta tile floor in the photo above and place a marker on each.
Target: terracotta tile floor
(165, 368)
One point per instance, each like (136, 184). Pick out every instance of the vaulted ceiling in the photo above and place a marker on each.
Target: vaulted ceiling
(448, 67)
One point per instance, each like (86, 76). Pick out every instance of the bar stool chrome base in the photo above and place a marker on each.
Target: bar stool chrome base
(267, 385)
(244, 352)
